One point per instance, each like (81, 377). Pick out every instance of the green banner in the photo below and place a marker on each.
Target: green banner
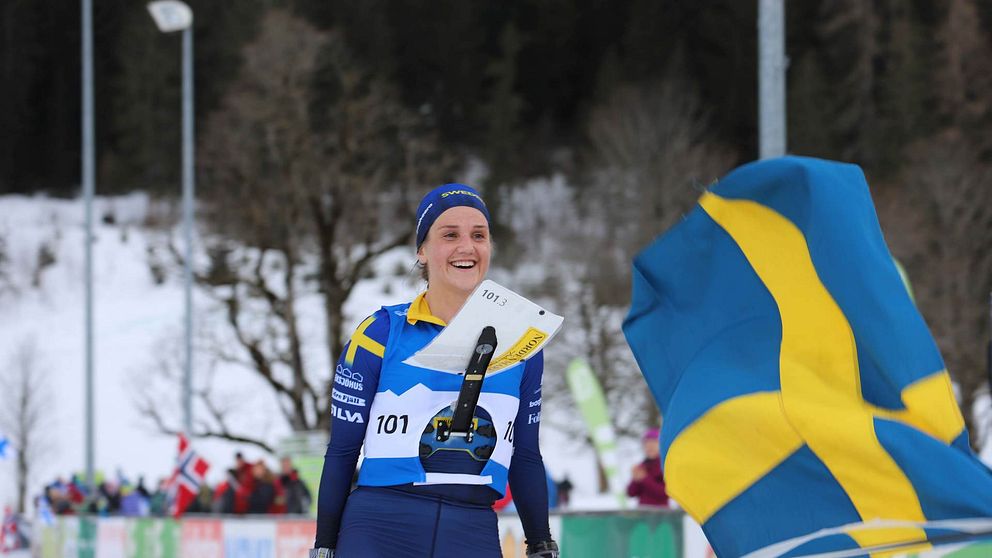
(155, 538)
(622, 535)
(976, 550)
(87, 537)
(310, 468)
(589, 399)
(967, 550)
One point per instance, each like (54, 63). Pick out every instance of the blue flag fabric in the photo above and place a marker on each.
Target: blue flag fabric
(801, 389)
(44, 512)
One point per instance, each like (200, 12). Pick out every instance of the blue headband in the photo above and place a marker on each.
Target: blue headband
(441, 199)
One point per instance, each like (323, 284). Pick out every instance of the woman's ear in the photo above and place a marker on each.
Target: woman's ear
(421, 258)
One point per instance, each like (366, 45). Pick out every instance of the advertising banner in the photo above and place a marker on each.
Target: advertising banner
(202, 538)
(249, 538)
(113, 538)
(588, 395)
(52, 538)
(87, 537)
(620, 534)
(155, 538)
(635, 535)
(294, 538)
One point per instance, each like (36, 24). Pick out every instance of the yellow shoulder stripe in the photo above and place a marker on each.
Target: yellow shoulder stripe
(359, 339)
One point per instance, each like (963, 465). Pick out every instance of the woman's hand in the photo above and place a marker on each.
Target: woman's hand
(543, 549)
(638, 473)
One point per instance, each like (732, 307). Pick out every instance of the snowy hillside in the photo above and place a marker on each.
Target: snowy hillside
(138, 323)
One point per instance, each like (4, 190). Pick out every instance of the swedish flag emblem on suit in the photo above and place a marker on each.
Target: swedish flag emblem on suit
(801, 388)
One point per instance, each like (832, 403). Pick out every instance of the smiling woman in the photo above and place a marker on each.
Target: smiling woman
(455, 256)
(420, 495)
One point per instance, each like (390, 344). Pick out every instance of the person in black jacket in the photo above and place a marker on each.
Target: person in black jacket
(298, 496)
(266, 491)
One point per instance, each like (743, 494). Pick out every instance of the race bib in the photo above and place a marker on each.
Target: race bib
(522, 329)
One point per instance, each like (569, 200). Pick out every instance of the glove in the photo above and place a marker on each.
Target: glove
(321, 553)
(543, 549)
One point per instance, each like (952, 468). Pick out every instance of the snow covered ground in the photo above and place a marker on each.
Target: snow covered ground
(136, 321)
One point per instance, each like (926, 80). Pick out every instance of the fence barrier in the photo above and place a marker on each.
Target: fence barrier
(631, 533)
(640, 534)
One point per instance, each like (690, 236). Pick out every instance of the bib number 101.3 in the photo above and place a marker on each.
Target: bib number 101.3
(493, 297)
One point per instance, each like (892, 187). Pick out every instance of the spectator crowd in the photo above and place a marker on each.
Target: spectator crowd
(248, 488)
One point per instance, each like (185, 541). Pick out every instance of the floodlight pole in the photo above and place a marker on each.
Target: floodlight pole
(169, 16)
(771, 79)
(89, 186)
(188, 186)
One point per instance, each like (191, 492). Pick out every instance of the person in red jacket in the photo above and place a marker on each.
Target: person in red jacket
(647, 481)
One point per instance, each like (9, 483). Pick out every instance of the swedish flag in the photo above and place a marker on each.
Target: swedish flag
(800, 387)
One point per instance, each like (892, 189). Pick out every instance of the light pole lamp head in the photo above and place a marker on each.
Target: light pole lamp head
(171, 15)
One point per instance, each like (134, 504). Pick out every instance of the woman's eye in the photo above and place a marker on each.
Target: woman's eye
(450, 235)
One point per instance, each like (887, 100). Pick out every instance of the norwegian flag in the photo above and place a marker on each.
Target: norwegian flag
(191, 469)
(10, 537)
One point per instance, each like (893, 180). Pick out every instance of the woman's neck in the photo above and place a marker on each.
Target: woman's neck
(444, 303)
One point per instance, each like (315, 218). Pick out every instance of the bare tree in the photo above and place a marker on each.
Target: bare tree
(938, 216)
(309, 169)
(6, 282)
(217, 405)
(650, 160)
(948, 250)
(964, 72)
(25, 410)
(849, 29)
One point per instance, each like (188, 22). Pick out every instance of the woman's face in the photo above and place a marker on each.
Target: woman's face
(457, 249)
(651, 449)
